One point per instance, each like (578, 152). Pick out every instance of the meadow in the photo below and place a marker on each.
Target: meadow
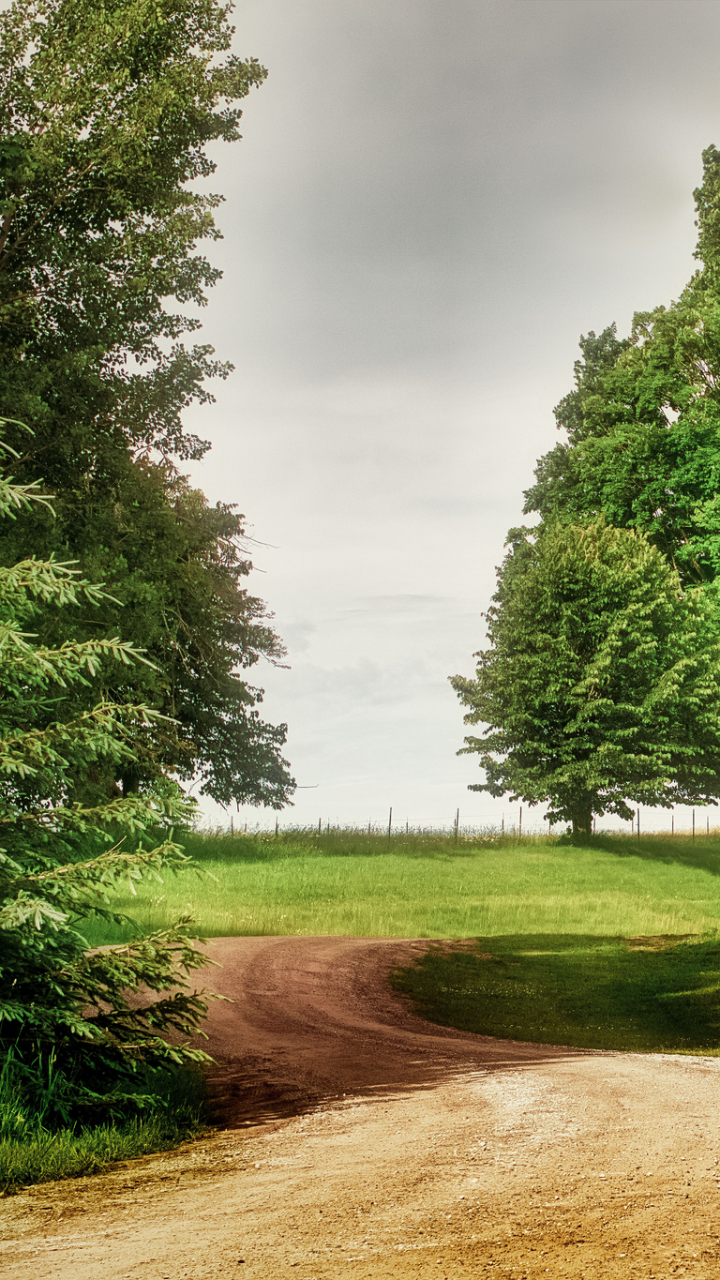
(611, 944)
(431, 886)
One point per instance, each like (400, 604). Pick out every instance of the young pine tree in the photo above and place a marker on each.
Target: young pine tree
(89, 1019)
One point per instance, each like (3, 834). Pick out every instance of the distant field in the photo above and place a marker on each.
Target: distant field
(346, 882)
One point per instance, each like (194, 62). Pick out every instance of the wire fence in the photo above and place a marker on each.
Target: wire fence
(515, 821)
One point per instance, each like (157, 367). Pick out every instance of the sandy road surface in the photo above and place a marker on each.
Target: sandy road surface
(366, 1143)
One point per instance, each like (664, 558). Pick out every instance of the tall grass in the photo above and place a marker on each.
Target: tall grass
(34, 1147)
(429, 885)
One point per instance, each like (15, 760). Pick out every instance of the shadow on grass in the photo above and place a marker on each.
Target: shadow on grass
(702, 853)
(644, 994)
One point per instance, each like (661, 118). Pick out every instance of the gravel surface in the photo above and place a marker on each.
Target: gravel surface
(365, 1143)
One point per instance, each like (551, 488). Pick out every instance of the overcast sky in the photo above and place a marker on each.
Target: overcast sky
(430, 204)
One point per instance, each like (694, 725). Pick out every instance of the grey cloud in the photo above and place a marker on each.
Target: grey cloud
(407, 165)
(430, 204)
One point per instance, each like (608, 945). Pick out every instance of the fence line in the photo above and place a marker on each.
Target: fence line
(493, 823)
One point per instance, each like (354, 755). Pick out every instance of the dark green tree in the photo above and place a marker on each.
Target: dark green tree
(65, 1011)
(106, 114)
(600, 681)
(178, 565)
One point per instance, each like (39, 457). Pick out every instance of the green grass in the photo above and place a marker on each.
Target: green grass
(33, 1148)
(429, 886)
(553, 914)
(600, 993)
(44, 1156)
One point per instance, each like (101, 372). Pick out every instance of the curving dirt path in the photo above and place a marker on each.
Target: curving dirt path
(366, 1144)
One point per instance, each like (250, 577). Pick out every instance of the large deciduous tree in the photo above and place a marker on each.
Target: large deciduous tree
(106, 110)
(600, 681)
(106, 113)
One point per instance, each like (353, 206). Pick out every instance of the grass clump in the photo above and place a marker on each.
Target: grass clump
(644, 994)
(36, 1146)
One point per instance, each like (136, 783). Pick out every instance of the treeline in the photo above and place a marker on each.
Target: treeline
(601, 682)
(126, 627)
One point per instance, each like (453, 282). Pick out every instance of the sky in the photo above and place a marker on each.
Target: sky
(430, 204)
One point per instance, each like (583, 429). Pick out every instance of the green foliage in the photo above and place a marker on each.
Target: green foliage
(643, 419)
(644, 994)
(106, 114)
(75, 1013)
(178, 566)
(33, 1149)
(600, 682)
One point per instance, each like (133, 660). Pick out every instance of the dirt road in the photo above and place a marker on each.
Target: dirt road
(366, 1144)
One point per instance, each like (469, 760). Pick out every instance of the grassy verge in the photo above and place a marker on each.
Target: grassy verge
(44, 1156)
(429, 886)
(659, 995)
(33, 1149)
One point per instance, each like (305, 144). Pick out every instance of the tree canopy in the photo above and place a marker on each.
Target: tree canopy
(643, 420)
(106, 114)
(600, 682)
(174, 567)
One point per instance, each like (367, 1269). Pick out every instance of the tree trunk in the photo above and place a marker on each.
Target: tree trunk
(582, 819)
(130, 782)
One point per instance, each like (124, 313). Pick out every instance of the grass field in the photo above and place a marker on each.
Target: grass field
(552, 962)
(345, 882)
(660, 995)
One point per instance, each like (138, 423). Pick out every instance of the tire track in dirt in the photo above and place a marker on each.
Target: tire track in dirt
(365, 1143)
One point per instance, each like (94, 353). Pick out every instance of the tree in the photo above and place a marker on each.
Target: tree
(600, 682)
(177, 565)
(106, 113)
(63, 1008)
(643, 420)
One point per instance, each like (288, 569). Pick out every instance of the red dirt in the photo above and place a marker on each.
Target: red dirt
(365, 1143)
